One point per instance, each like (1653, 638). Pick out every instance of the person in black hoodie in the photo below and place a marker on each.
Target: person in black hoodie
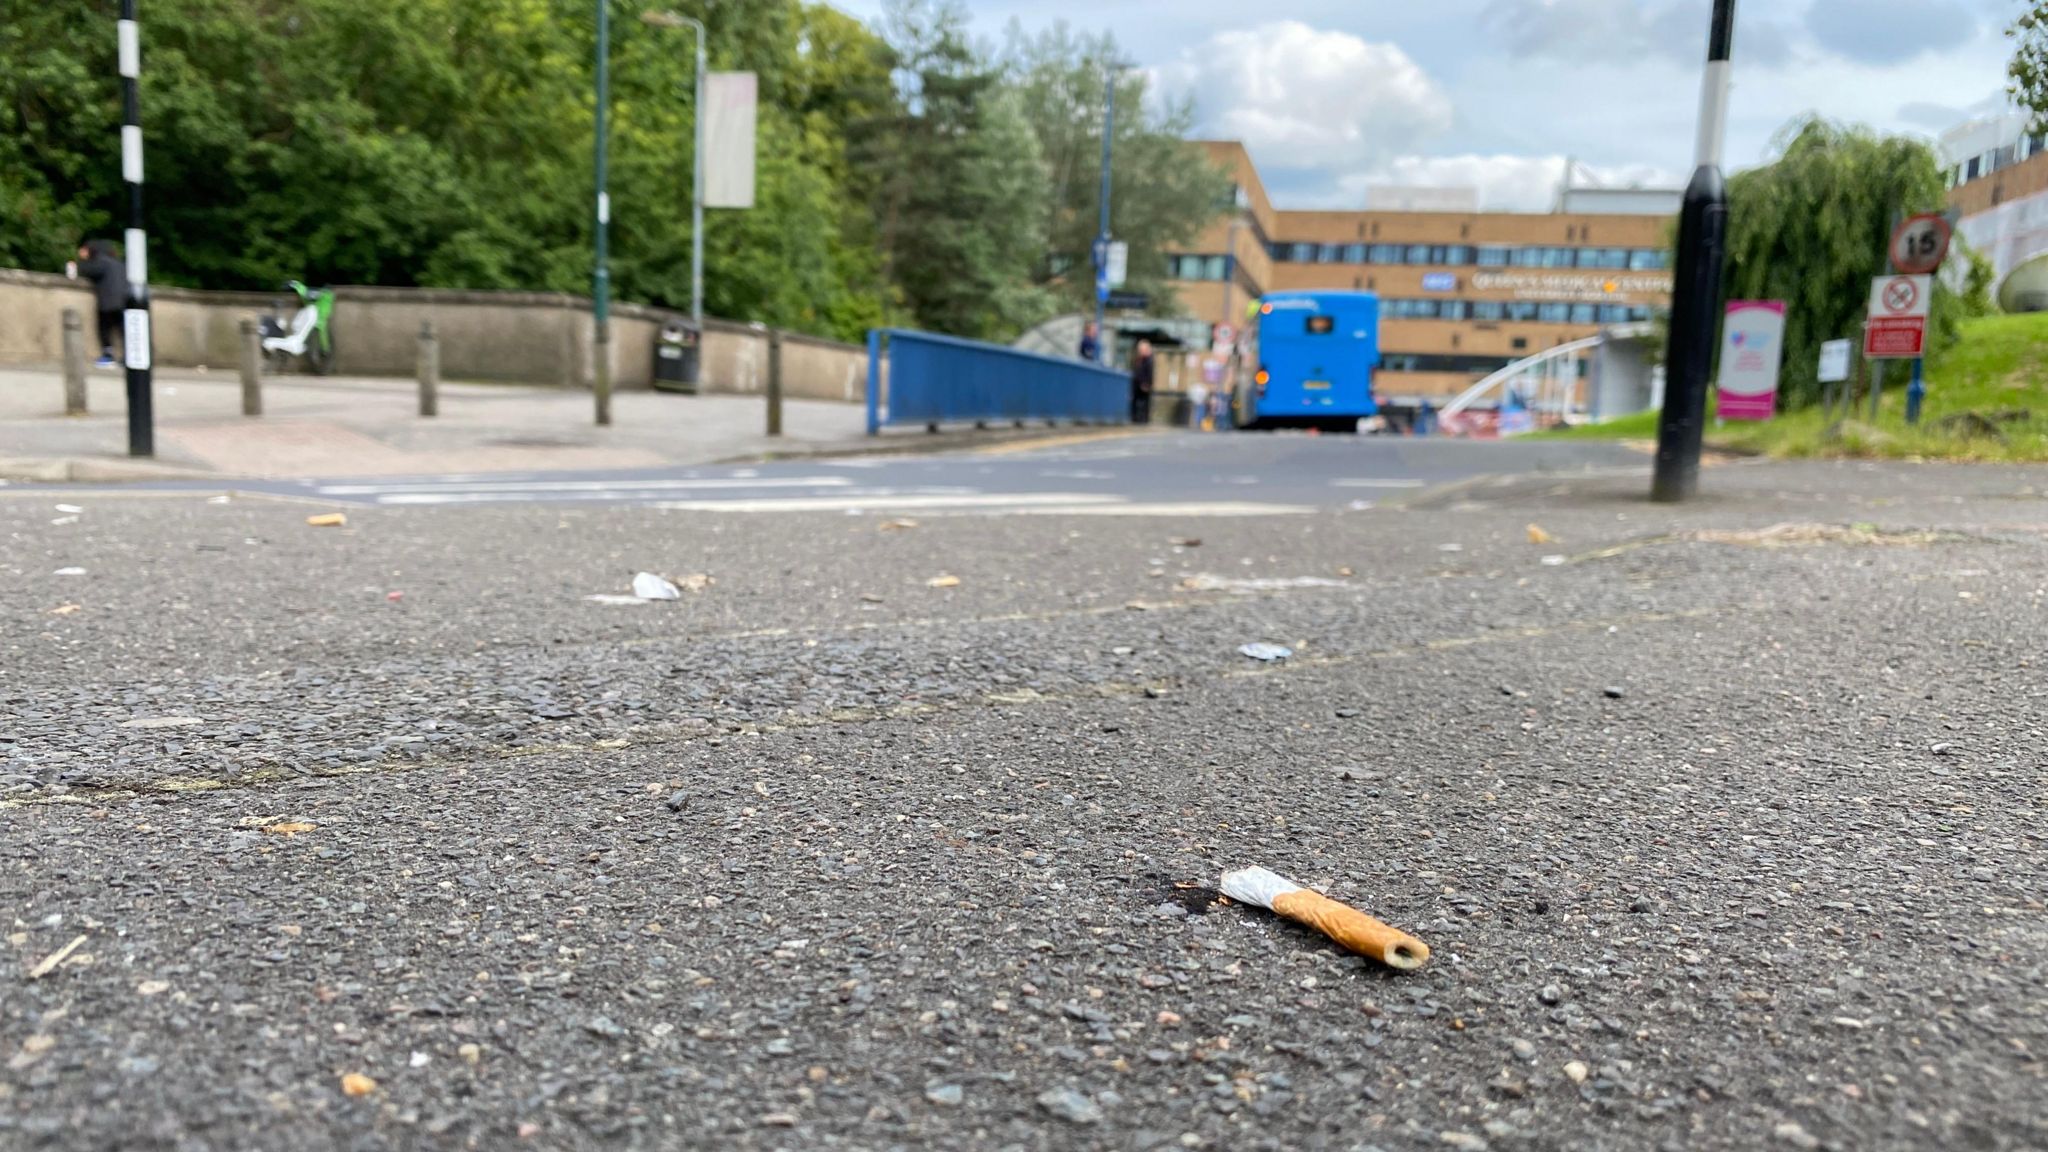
(1141, 383)
(97, 263)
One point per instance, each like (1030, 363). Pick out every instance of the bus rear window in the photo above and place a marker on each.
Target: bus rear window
(1321, 325)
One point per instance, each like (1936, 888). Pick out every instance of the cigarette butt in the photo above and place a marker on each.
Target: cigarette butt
(1349, 928)
(327, 520)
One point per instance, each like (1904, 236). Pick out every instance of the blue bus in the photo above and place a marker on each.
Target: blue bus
(1316, 356)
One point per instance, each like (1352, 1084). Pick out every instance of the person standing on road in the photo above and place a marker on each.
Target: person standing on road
(1091, 343)
(97, 263)
(1198, 405)
(1141, 383)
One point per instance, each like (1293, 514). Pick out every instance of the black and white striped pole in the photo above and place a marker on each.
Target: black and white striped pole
(1696, 290)
(135, 318)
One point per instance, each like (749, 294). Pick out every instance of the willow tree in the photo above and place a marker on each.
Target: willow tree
(1811, 229)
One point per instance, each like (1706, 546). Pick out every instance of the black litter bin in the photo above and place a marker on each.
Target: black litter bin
(675, 359)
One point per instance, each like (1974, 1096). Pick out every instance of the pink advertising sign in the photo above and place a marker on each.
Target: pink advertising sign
(1752, 345)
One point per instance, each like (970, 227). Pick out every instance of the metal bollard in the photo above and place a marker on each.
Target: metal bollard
(775, 381)
(252, 368)
(74, 363)
(429, 370)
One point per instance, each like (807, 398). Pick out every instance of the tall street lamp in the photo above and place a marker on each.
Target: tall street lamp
(1702, 242)
(601, 279)
(676, 20)
(1112, 70)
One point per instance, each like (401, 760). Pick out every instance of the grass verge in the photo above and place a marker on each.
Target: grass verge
(1987, 399)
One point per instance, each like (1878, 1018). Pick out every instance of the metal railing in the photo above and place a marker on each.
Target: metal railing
(1548, 383)
(934, 380)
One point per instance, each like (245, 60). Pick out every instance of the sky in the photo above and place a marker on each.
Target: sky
(1334, 96)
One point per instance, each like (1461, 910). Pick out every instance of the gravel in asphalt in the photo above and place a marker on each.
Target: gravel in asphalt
(1722, 837)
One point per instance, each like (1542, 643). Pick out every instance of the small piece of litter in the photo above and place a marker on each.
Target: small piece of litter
(357, 1084)
(1553, 561)
(69, 572)
(50, 962)
(648, 586)
(1267, 652)
(71, 509)
(329, 520)
(943, 582)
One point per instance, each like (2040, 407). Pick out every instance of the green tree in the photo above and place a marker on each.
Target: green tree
(2027, 73)
(959, 192)
(1811, 229)
(1164, 190)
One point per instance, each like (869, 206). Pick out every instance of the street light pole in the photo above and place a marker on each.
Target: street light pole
(1102, 233)
(601, 280)
(1702, 234)
(678, 20)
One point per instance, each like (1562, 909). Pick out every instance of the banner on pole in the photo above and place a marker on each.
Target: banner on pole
(730, 105)
(1752, 346)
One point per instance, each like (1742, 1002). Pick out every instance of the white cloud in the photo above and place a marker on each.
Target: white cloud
(1624, 30)
(1506, 183)
(1303, 97)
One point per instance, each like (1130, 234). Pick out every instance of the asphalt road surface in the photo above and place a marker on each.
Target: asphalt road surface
(903, 835)
(1172, 473)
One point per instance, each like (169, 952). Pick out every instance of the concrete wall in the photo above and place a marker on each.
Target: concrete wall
(494, 337)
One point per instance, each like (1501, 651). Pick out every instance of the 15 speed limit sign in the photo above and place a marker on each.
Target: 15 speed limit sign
(1920, 244)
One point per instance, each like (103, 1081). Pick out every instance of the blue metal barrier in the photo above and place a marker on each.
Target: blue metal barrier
(936, 379)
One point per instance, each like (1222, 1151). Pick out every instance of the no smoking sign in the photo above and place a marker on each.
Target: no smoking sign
(1898, 317)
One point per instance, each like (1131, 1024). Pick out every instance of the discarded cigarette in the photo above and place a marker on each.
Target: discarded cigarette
(1350, 928)
(327, 520)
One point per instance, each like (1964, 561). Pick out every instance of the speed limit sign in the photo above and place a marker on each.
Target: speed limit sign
(1920, 244)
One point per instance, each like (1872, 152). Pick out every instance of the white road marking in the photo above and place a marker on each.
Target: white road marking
(1187, 508)
(567, 486)
(1379, 483)
(880, 502)
(1077, 474)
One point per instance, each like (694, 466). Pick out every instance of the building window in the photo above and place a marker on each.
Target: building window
(1554, 313)
(1614, 314)
(1453, 310)
(1493, 258)
(1354, 253)
(1384, 254)
(1458, 255)
(1603, 258)
(1213, 268)
(1329, 253)
(1970, 170)
(1585, 314)
(1649, 260)
(1418, 254)
(1488, 310)
(1522, 311)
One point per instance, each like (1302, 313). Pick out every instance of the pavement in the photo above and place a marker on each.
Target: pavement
(1724, 821)
(334, 425)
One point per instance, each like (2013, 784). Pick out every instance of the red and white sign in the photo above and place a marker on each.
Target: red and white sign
(1921, 243)
(1897, 329)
